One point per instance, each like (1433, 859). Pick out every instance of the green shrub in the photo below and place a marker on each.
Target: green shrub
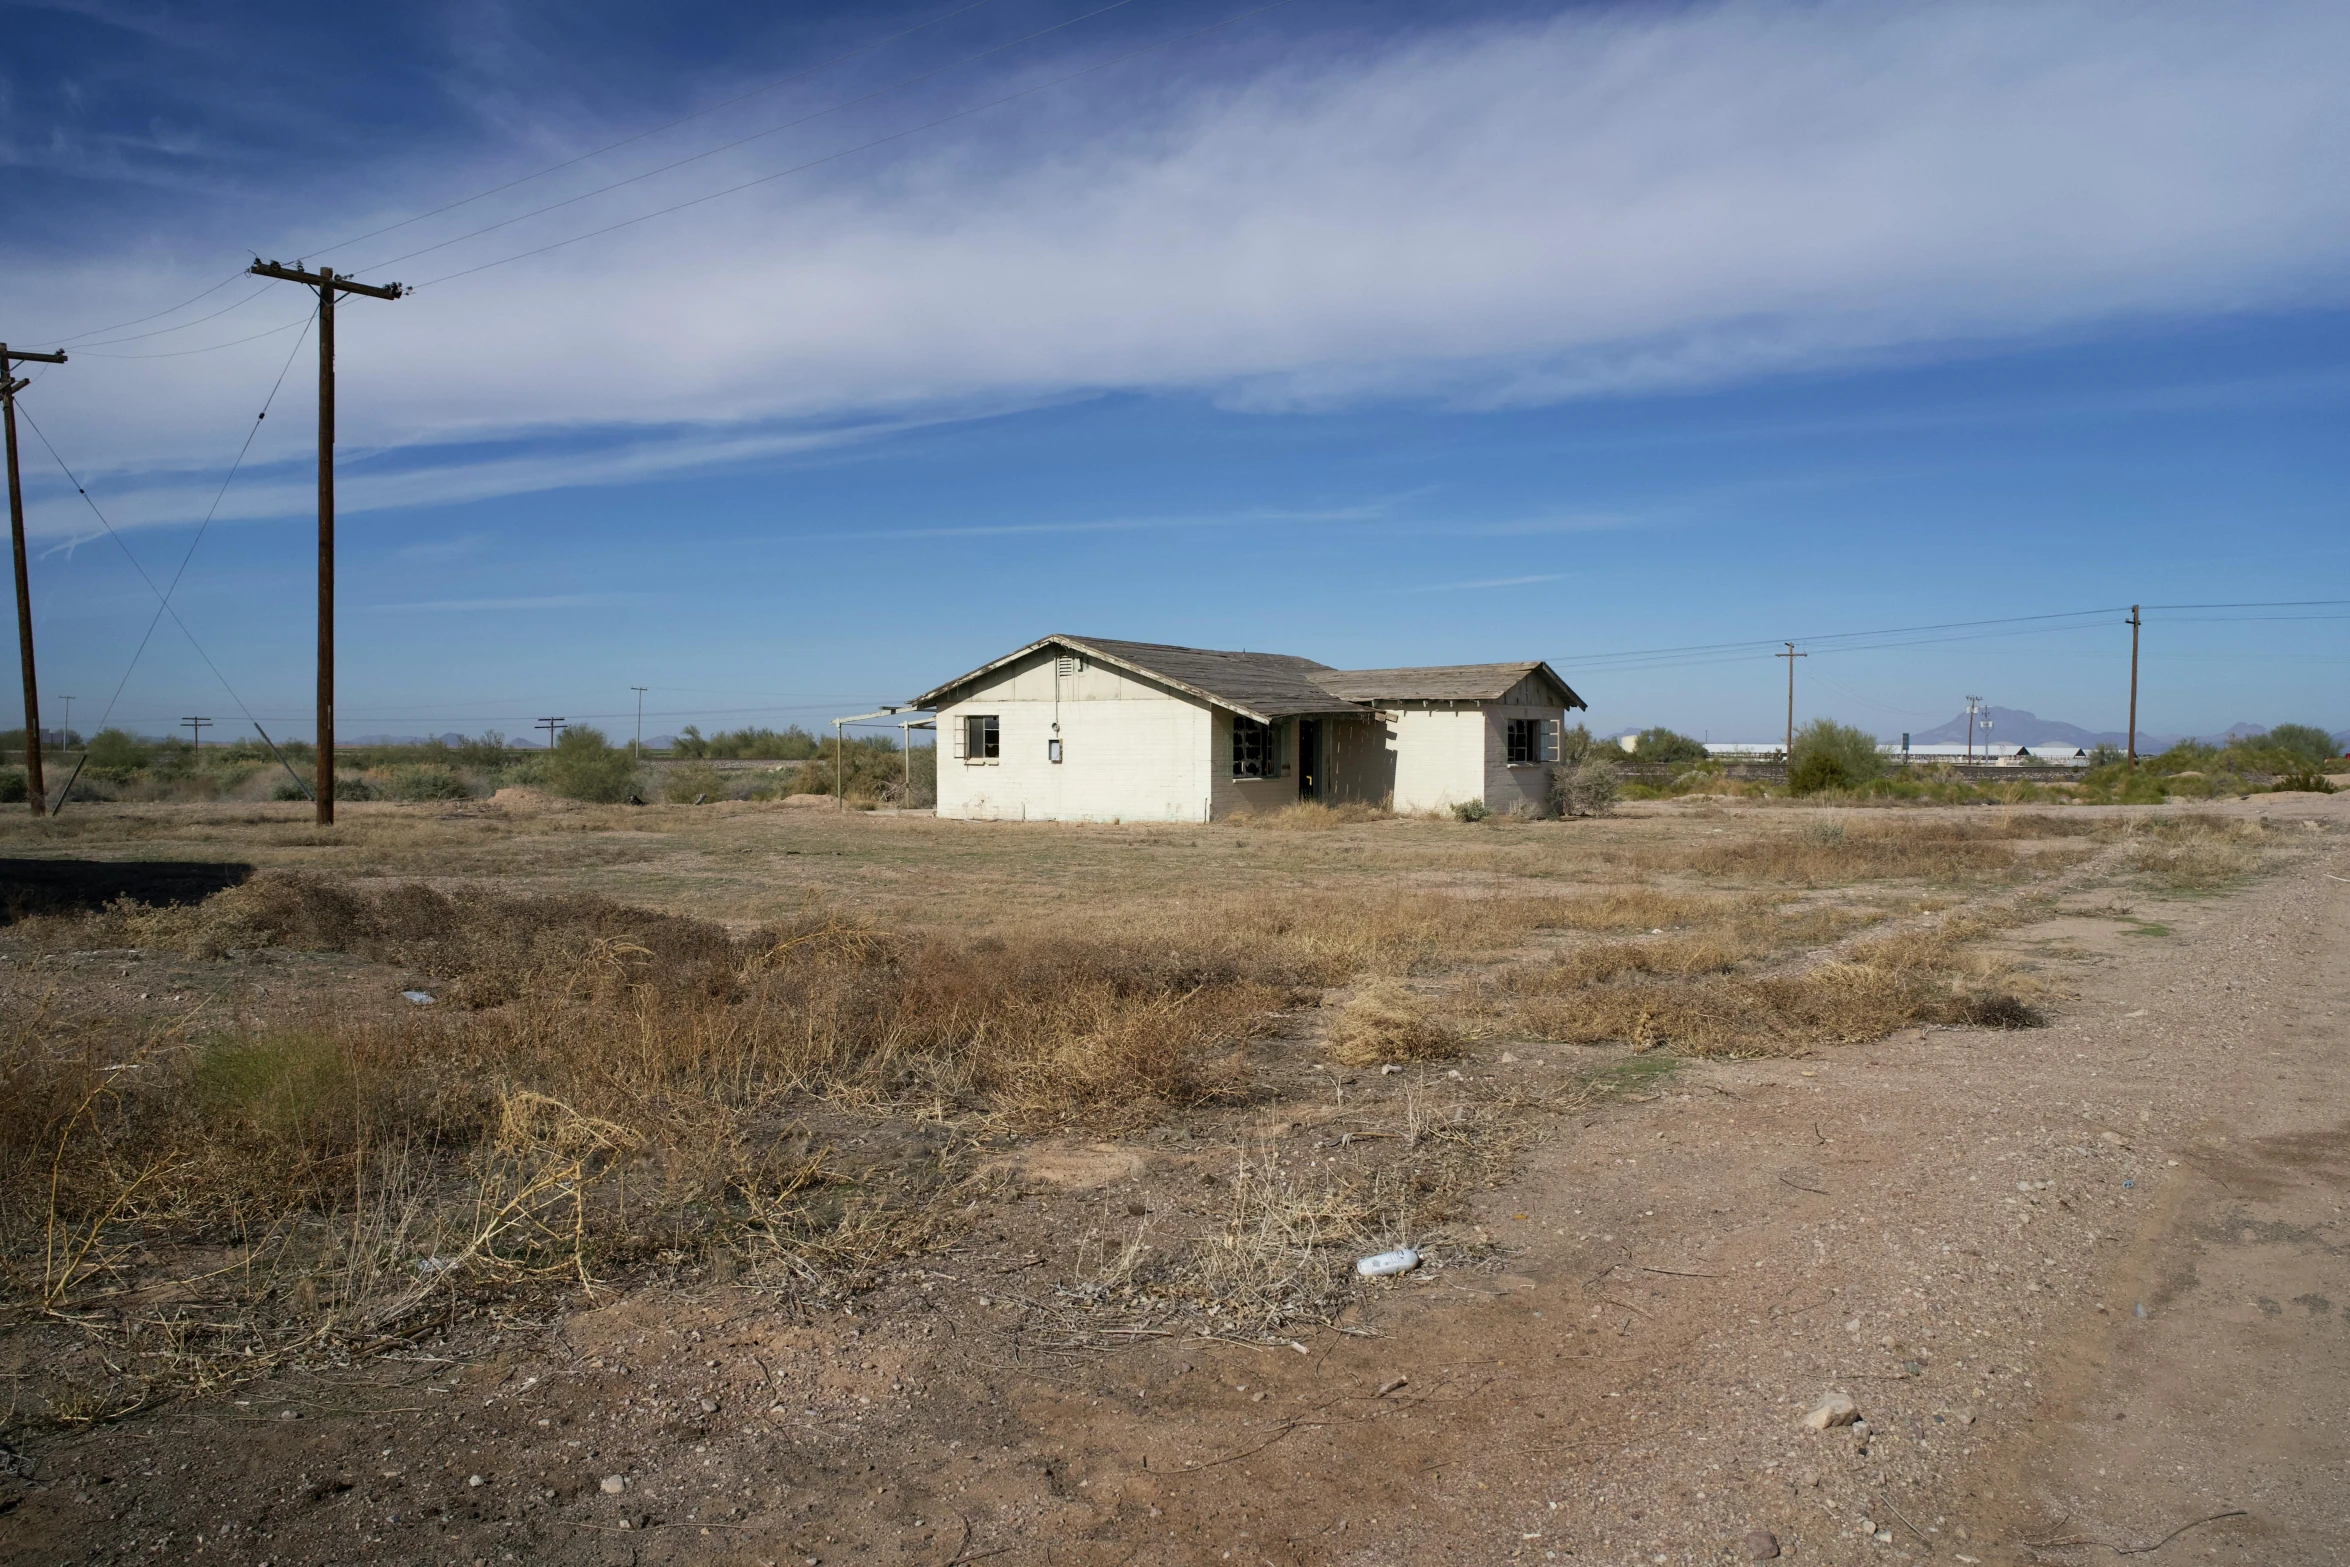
(684, 785)
(584, 766)
(484, 753)
(1575, 744)
(286, 789)
(1588, 787)
(116, 754)
(13, 788)
(1471, 811)
(1830, 755)
(2306, 741)
(425, 781)
(1664, 747)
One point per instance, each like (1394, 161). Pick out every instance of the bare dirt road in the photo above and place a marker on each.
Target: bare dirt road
(2087, 1285)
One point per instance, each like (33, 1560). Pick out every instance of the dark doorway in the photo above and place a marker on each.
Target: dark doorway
(1309, 759)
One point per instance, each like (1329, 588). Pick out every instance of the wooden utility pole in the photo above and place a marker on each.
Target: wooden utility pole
(36, 788)
(328, 285)
(553, 727)
(2132, 761)
(640, 721)
(1971, 703)
(1790, 656)
(196, 728)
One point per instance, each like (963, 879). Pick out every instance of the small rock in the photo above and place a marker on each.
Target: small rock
(1810, 1479)
(613, 1485)
(475, 1480)
(709, 1406)
(1883, 1537)
(296, 1414)
(1761, 1545)
(1833, 1409)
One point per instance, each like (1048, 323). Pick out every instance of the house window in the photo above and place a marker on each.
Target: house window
(982, 740)
(1052, 750)
(1525, 740)
(1252, 748)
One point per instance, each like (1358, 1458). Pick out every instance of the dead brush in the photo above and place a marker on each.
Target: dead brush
(1284, 1252)
(1313, 816)
(2195, 852)
(1834, 852)
(1386, 1021)
(1898, 982)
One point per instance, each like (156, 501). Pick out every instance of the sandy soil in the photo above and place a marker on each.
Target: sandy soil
(2087, 1285)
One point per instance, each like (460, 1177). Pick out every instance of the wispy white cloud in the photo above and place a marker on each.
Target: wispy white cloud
(1615, 200)
(1488, 582)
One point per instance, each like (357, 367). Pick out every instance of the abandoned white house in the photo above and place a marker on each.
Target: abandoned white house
(1081, 729)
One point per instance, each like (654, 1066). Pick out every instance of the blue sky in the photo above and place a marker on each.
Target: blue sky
(1351, 331)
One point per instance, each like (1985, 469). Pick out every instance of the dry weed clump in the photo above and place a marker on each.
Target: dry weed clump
(1315, 816)
(2193, 853)
(1836, 852)
(1899, 981)
(1385, 1021)
(624, 1086)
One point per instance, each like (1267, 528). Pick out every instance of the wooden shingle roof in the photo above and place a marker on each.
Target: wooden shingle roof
(1441, 683)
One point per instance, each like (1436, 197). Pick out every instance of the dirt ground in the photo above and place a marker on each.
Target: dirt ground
(2088, 1286)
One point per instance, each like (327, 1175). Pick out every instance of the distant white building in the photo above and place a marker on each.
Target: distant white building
(1086, 729)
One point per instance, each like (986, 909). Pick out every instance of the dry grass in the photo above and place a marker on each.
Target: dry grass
(607, 1089)
(1315, 816)
(2193, 853)
(1834, 852)
(1384, 1021)
(1695, 998)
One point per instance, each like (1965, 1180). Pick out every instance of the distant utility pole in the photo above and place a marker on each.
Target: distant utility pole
(1790, 656)
(1972, 703)
(553, 727)
(2132, 689)
(640, 720)
(196, 728)
(65, 724)
(328, 285)
(36, 790)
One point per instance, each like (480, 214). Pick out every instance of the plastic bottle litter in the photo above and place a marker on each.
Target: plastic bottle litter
(422, 998)
(1388, 1263)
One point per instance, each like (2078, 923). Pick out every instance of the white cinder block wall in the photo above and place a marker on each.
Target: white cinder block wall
(1439, 754)
(1130, 751)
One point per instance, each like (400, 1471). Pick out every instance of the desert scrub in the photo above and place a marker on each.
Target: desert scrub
(1830, 755)
(2193, 853)
(424, 781)
(1897, 982)
(1385, 1021)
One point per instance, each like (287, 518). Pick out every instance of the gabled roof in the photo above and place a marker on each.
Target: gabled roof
(1441, 683)
(1263, 686)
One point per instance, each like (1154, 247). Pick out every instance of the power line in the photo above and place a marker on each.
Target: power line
(108, 342)
(740, 141)
(121, 544)
(727, 103)
(182, 353)
(845, 152)
(160, 314)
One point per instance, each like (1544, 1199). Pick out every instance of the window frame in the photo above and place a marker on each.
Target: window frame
(979, 737)
(1264, 745)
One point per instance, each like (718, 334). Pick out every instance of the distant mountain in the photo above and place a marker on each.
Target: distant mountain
(2014, 726)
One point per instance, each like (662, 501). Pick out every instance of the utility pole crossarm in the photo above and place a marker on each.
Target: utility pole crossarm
(323, 277)
(328, 286)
